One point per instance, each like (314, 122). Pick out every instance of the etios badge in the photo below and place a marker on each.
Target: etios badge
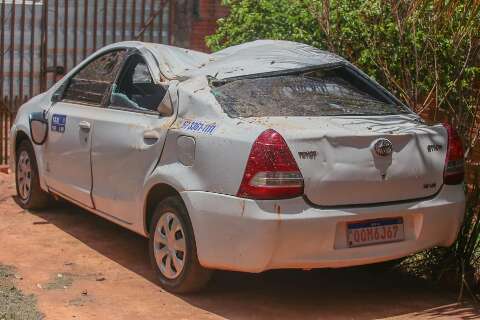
(383, 147)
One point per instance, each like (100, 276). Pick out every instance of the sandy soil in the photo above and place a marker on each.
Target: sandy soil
(82, 267)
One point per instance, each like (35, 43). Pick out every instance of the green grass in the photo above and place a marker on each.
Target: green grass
(15, 305)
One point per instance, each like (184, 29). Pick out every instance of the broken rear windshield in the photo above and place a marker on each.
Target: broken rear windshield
(331, 92)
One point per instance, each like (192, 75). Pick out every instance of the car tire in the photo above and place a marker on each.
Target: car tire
(172, 249)
(30, 195)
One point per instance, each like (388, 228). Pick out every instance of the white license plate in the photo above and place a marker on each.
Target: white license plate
(362, 233)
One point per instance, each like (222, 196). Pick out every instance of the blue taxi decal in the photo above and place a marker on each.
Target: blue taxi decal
(199, 126)
(58, 122)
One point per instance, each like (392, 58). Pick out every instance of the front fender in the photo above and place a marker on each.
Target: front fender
(21, 124)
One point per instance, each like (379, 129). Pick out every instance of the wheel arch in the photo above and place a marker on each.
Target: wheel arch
(20, 136)
(156, 194)
(20, 133)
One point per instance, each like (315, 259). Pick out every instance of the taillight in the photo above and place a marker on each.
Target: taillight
(454, 163)
(271, 171)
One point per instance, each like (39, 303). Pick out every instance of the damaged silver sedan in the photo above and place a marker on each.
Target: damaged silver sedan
(262, 156)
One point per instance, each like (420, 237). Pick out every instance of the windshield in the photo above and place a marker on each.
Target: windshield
(331, 92)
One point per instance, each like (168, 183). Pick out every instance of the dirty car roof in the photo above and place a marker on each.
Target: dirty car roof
(249, 58)
(263, 56)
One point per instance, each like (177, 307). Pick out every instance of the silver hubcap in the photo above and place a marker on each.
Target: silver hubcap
(169, 245)
(24, 175)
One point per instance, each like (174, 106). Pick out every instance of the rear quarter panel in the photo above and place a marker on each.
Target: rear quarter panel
(222, 144)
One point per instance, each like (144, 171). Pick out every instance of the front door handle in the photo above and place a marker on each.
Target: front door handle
(84, 125)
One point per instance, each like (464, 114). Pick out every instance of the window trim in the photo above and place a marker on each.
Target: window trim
(148, 112)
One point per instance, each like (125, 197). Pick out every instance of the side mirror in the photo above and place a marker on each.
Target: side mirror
(38, 127)
(58, 94)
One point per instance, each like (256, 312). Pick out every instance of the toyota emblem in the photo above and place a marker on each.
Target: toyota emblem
(383, 147)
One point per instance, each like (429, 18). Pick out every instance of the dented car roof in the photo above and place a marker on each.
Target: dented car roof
(254, 57)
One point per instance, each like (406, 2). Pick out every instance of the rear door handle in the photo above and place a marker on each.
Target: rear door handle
(84, 125)
(150, 137)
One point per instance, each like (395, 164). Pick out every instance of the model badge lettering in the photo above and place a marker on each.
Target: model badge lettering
(434, 147)
(58, 123)
(311, 155)
(199, 126)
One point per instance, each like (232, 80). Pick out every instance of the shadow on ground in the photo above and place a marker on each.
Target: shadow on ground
(355, 293)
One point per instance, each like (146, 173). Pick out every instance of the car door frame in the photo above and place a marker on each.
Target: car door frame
(137, 205)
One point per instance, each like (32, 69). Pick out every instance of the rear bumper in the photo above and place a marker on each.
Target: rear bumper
(253, 236)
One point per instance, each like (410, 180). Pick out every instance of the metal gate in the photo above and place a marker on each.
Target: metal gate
(42, 39)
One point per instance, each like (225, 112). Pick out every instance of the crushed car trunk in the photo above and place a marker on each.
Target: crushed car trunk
(353, 142)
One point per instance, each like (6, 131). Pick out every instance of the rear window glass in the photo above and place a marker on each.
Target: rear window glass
(318, 93)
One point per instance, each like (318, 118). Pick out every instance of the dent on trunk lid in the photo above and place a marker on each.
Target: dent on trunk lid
(346, 170)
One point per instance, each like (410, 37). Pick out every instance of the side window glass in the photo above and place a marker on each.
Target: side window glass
(92, 82)
(141, 75)
(135, 88)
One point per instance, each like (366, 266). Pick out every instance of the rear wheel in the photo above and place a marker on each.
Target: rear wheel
(173, 252)
(30, 195)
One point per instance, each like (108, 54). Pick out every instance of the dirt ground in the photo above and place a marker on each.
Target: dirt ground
(79, 266)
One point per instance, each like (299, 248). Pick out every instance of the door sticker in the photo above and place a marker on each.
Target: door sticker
(58, 122)
(199, 126)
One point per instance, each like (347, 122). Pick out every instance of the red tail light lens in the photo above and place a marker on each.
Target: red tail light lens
(271, 171)
(454, 163)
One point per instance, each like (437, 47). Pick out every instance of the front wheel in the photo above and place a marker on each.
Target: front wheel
(30, 195)
(173, 252)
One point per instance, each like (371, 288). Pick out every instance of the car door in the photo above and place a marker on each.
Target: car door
(128, 140)
(68, 147)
